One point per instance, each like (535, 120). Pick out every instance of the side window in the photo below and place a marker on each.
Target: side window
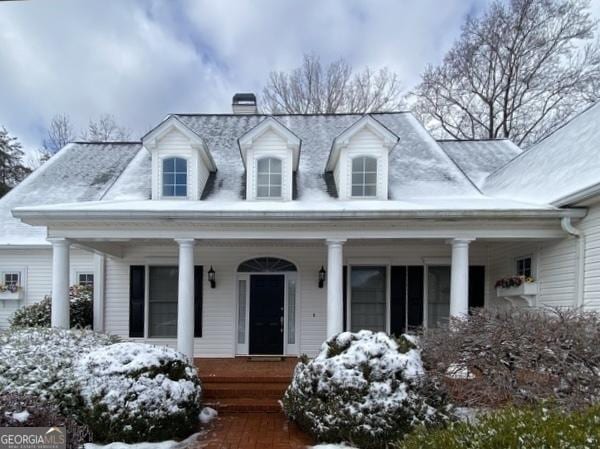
(85, 280)
(174, 177)
(523, 266)
(12, 280)
(268, 178)
(364, 177)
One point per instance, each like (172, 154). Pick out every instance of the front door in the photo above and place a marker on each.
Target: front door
(267, 293)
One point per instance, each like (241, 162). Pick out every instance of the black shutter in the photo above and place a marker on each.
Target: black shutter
(198, 282)
(137, 281)
(415, 296)
(476, 286)
(398, 300)
(345, 295)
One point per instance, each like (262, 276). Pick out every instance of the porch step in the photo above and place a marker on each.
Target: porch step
(245, 405)
(272, 390)
(248, 379)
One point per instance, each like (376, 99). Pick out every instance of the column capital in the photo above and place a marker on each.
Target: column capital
(59, 241)
(335, 242)
(185, 242)
(460, 241)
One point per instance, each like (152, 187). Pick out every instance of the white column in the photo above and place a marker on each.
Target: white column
(60, 283)
(185, 299)
(459, 279)
(99, 270)
(335, 292)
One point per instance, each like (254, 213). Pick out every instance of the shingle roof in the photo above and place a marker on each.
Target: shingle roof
(479, 158)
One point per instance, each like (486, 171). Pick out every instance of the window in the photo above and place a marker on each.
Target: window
(162, 302)
(523, 267)
(368, 299)
(85, 280)
(12, 280)
(438, 295)
(268, 178)
(174, 177)
(364, 177)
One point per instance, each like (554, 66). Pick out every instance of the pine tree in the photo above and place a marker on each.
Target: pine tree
(12, 170)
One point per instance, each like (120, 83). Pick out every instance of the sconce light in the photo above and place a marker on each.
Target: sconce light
(322, 275)
(211, 277)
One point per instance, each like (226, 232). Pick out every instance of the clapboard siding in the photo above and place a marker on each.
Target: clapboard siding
(590, 225)
(37, 265)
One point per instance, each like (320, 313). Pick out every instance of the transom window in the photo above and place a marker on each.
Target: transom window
(364, 177)
(175, 177)
(523, 266)
(268, 178)
(12, 280)
(85, 280)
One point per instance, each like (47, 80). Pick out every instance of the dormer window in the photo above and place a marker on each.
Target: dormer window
(268, 182)
(364, 177)
(174, 177)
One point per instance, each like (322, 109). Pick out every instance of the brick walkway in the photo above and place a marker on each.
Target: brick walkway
(253, 431)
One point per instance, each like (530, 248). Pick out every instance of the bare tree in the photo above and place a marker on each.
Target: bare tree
(59, 133)
(519, 71)
(105, 129)
(312, 88)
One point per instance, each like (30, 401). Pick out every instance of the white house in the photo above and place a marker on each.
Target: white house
(236, 234)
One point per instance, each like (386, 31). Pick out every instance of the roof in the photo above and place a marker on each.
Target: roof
(78, 172)
(564, 163)
(480, 157)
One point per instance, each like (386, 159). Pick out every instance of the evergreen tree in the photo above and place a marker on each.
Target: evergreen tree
(12, 170)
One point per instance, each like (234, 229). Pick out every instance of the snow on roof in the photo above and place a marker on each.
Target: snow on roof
(79, 172)
(479, 158)
(566, 162)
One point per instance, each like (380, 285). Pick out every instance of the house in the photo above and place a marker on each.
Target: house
(237, 234)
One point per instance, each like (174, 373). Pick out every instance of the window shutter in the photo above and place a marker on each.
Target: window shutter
(198, 282)
(137, 281)
(415, 296)
(476, 286)
(398, 300)
(345, 294)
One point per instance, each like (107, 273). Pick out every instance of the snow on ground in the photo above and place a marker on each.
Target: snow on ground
(331, 446)
(170, 444)
(18, 416)
(207, 415)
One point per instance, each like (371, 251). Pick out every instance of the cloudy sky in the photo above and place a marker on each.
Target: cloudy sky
(141, 59)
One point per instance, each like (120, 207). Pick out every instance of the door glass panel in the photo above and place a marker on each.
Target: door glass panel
(242, 311)
(291, 311)
(162, 302)
(438, 295)
(368, 293)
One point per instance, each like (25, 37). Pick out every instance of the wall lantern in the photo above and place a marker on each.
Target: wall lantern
(211, 277)
(322, 276)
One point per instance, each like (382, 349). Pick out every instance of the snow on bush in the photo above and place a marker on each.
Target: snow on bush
(17, 410)
(38, 362)
(38, 314)
(138, 392)
(364, 388)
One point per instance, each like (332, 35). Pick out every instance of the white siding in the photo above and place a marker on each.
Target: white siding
(37, 267)
(590, 225)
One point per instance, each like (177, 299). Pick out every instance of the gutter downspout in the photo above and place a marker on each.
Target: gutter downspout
(567, 226)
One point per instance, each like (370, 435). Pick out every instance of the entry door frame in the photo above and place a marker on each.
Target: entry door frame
(288, 349)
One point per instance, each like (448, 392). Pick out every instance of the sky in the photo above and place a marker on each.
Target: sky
(142, 59)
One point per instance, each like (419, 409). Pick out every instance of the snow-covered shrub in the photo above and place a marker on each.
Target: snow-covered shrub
(364, 388)
(514, 428)
(518, 356)
(38, 314)
(137, 392)
(17, 410)
(38, 361)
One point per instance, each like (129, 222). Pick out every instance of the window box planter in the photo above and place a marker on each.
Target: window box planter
(527, 292)
(12, 296)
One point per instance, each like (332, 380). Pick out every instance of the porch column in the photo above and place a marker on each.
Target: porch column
(185, 299)
(59, 316)
(335, 292)
(459, 278)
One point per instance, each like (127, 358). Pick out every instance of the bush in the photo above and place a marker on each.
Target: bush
(518, 356)
(136, 392)
(514, 429)
(363, 388)
(38, 362)
(38, 314)
(26, 411)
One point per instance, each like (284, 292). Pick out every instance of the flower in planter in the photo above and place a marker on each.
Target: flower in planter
(513, 281)
(9, 288)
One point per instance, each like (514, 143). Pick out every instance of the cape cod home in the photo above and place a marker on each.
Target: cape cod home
(236, 234)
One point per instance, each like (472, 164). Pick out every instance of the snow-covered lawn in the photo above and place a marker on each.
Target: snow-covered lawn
(170, 444)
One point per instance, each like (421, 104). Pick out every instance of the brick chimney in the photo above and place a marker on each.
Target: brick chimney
(244, 104)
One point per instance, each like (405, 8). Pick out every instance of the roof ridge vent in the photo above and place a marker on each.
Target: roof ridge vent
(244, 103)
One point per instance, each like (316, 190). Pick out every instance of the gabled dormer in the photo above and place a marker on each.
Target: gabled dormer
(181, 161)
(271, 153)
(359, 160)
